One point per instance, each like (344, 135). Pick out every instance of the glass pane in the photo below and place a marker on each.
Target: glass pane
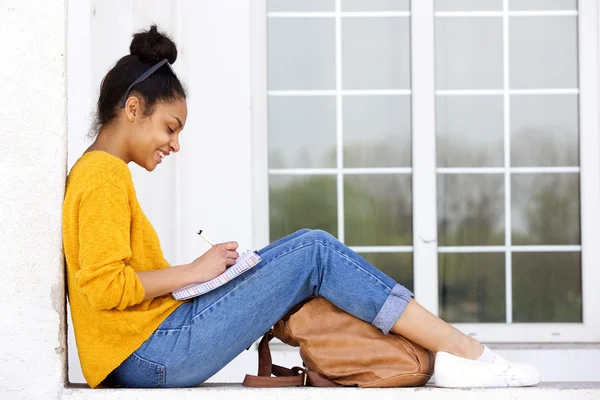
(542, 4)
(472, 287)
(376, 53)
(470, 209)
(297, 202)
(301, 53)
(378, 210)
(546, 287)
(377, 131)
(468, 5)
(544, 130)
(375, 5)
(468, 53)
(398, 266)
(543, 52)
(470, 131)
(301, 5)
(545, 209)
(302, 132)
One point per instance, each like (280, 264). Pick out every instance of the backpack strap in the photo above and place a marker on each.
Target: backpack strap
(284, 377)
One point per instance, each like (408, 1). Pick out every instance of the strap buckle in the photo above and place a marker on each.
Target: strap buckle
(305, 379)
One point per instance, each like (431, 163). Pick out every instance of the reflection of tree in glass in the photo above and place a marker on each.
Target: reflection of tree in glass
(398, 266)
(386, 153)
(276, 159)
(378, 211)
(478, 152)
(302, 157)
(535, 146)
(377, 208)
(470, 210)
(472, 287)
(547, 287)
(545, 211)
(298, 202)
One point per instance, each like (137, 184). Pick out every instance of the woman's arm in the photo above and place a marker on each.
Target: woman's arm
(163, 281)
(105, 278)
(210, 265)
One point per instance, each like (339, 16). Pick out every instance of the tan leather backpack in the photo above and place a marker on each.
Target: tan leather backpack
(338, 349)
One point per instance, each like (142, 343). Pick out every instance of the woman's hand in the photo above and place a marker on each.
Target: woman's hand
(210, 265)
(214, 262)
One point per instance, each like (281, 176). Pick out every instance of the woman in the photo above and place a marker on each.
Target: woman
(131, 332)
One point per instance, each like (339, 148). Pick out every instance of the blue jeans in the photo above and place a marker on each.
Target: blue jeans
(205, 334)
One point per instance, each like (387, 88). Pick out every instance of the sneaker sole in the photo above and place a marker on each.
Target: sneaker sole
(496, 381)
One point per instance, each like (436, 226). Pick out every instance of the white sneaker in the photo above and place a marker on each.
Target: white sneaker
(456, 372)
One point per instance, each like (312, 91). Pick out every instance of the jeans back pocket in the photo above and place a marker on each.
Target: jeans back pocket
(137, 372)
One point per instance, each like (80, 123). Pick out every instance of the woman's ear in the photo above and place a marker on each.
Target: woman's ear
(132, 108)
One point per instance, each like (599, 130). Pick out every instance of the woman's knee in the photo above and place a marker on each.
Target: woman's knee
(301, 232)
(321, 235)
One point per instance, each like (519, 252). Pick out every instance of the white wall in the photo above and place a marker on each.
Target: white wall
(32, 177)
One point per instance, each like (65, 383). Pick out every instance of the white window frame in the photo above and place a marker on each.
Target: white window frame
(424, 171)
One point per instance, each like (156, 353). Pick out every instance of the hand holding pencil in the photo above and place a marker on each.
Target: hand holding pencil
(216, 260)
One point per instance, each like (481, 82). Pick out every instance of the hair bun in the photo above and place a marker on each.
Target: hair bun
(152, 46)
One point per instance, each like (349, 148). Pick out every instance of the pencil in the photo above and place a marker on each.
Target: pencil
(210, 242)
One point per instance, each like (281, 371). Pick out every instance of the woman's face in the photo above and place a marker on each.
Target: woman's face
(157, 135)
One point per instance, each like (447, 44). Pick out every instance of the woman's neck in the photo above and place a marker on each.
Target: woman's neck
(111, 141)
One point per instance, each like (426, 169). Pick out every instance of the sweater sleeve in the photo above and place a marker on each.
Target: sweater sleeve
(104, 276)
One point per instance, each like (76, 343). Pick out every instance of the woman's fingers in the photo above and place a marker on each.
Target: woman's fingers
(231, 257)
(227, 250)
(231, 245)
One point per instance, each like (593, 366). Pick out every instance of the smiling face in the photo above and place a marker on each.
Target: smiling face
(155, 136)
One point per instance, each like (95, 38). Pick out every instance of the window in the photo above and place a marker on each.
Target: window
(340, 143)
(452, 145)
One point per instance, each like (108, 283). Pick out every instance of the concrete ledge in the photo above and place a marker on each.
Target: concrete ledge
(546, 391)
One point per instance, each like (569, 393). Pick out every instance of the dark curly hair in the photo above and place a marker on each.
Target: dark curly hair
(147, 48)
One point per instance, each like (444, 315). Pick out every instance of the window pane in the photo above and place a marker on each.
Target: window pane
(546, 287)
(468, 53)
(468, 5)
(542, 4)
(297, 202)
(544, 130)
(470, 209)
(301, 53)
(302, 132)
(398, 266)
(376, 53)
(301, 5)
(378, 210)
(377, 131)
(470, 131)
(545, 209)
(375, 5)
(543, 52)
(472, 287)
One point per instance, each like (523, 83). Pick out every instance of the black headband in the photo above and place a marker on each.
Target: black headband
(143, 77)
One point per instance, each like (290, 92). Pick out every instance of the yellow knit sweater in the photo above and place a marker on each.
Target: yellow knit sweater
(107, 238)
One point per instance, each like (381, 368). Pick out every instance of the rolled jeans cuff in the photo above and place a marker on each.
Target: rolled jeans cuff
(393, 308)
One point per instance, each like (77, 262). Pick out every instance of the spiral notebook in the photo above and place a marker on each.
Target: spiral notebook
(244, 262)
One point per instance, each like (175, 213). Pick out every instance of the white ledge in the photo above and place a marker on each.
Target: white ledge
(546, 391)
